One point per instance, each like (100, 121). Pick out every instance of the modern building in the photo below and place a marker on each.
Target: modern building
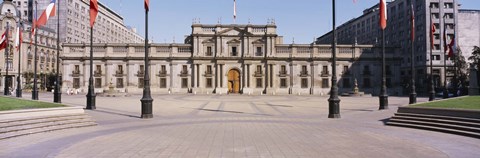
(468, 30)
(75, 24)
(365, 30)
(247, 59)
(47, 48)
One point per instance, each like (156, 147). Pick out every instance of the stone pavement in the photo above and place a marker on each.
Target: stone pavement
(239, 126)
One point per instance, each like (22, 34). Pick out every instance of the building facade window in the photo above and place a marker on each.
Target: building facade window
(184, 82)
(163, 83)
(98, 82)
(325, 83)
(259, 83)
(304, 83)
(209, 83)
(283, 83)
(119, 82)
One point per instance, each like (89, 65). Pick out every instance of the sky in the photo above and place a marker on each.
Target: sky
(297, 20)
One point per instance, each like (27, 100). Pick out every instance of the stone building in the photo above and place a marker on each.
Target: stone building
(246, 59)
(75, 25)
(365, 30)
(46, 56)
(469, 30)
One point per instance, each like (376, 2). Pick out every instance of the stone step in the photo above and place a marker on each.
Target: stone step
(23, 122)
(437, 129)
(434, 124)
(46, 129)
(463, 119)
(437, 120)
(43, 125)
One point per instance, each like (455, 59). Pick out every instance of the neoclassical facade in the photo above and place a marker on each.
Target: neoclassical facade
(244, 59)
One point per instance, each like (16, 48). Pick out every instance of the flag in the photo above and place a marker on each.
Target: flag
(234, 9)
(93, 11)
(18, 37)
(432, 33)
(3, 40)
(445, 47)
(453, 47)
(147, 6)
(383, 14)
(412, 23)
(34, 26)
(49, 12)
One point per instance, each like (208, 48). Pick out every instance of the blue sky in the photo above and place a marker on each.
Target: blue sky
(299, 19)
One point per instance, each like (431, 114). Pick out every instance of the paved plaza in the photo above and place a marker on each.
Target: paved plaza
(239, 126)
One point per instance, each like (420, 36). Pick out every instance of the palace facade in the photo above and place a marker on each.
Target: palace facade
(246, 59)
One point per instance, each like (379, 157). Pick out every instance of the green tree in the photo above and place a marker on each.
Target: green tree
(475, 58)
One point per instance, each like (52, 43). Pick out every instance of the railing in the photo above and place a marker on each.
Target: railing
(258, 74)
(259, 29)
(184, 49)
(304, 50)
(303, 73)
(284, 50)
(164, 49)
(162, 73)
(282, 73)
(325, 73)
(75, 73)
(208, 29)
(208, 53)
(97, 73)
(140, 73)
(118, 73)
(258, 53)
(184, 73)
(208, 74)
(120, 49)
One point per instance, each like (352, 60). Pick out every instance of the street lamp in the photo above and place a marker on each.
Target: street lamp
(334, 101)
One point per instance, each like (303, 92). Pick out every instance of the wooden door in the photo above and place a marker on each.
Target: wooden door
(233, 81)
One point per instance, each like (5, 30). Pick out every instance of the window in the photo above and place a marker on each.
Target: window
(259, 68)
(259, 51)
(304, 83)
(345, 70)
(283, 68)
(234, 51)
(209, 51)
(209, 83)
(76, 82)
(119, 82)
(325, 83)
(140, 82)
(120, 69)
(163, 83)
(325, 70)
(184, 68)
(283, 83)
(98, 82)
(259, 82)
(142, 68)
(163, 68)
(98, 68)
(209, 69)
(304, 69)
(184, 82)
(346, 83)
(366, 83)
(77, 68)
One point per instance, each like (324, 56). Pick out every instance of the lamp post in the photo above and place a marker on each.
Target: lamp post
(445, 88)
(413, 94)
(334, 101)
(146, 98)
(57, 94)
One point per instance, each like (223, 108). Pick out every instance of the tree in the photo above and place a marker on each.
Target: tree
(462, 72)
(475, 58)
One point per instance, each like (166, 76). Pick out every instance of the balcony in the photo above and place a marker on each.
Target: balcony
(303, 73)
(162, 73)
(208, 53)
(76, 73)
(208, 74)
(140, 73)
(97, 73)
(367, 72)
(119, 73)
(282, 73)
(234, 54)
(184, 73)
(258, 54)
(325, 74)
(258, 74)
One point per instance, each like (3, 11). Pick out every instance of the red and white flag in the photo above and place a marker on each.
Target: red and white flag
(18, 37)
(383, 14)
(453, 47)
(93, 11)
(147, 5)
(49, 12)
(412, 23)
(3, 40)
(432, 33)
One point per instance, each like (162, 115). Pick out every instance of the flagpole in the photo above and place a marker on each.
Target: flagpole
(146, 98)
(455, 55)
(432, 86)
(6, 89)
(57, 94)
(35, 90)
(334, 101)
(445, 89)
(19, 82)
(91, 94)
(413, 94)
(383, 97)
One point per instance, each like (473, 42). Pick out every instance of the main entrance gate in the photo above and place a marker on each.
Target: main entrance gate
(233, 81)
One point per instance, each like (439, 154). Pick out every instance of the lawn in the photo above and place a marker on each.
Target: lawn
(470, 102)
(18, 104)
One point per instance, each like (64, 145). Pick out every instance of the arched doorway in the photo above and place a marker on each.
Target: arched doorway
(233, 81)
